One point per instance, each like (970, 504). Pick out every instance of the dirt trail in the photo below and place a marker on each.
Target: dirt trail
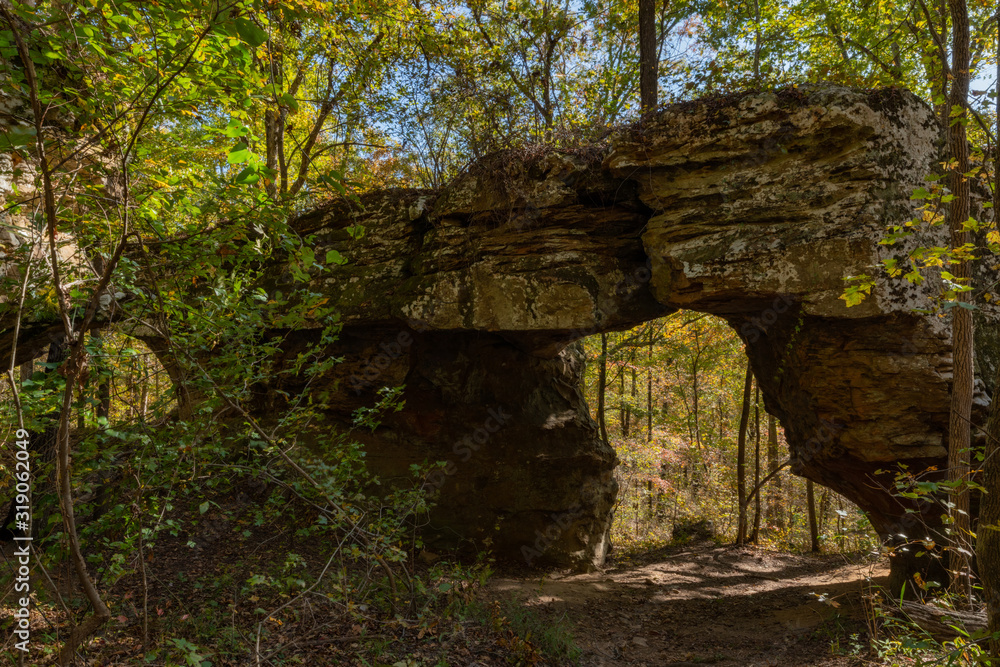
(706, 604)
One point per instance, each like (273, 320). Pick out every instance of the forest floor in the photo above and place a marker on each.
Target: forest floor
(707, 604)
(671, 607)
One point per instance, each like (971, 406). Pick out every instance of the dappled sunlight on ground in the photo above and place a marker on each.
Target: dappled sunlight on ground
(707, 604)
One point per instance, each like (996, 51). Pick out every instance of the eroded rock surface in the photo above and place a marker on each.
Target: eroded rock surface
(754, 208)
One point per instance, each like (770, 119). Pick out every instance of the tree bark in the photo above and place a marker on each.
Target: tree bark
(628, 408)
(939, 623)
(602, 382)
(694, 401)
(649, 390)
(104, 398)
(741, 459)
(622, 404)
(813, 525)
(143, 390)
(274, 118)
(824, 505)
(988, 530)
(755, 533)
(962, 383)
(648, 59)
(774, 497)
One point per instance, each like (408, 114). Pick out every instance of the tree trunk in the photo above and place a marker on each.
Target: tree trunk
(813, 525)
(649, 390)
(104, 398)
(274, 119)
(757, 43)
(648, 60)
(81, 406)
(602, 382)
(824, 505)
(144, 392)
(988, 530)
(628, 408)
(623, 414)
(962, 383)
(741, 459)
(938, 623)
(774, 497)
(755, 533)
(694, 384)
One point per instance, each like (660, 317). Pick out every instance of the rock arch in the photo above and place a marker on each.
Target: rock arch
(752, 207)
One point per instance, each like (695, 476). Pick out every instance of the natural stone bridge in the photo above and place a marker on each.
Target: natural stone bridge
(753, 208)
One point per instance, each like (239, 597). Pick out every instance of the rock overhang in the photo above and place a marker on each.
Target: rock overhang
(753, 207)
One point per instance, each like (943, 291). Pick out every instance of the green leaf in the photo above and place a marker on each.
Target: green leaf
(920, 193)
(203, 507)
(333, 181)
(238, 154)
(289, 101)
(248, 176)
(17, 135)
(250, 32)
(334, 257)
(307, 256)
(235, 129)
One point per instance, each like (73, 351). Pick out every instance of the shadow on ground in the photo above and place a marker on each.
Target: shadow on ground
(707, 604)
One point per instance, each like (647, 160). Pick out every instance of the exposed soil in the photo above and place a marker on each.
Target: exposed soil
(694, 605)
(707, 604)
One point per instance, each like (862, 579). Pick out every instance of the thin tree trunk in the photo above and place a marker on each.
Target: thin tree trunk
(602, 381)
(962, 382)
(824, 505)
(622, 405)
(813, 525)
(722, 421)
(741, 459)
(648, 59)
(144, 391)
(628, 408)
(757, 43)
(274, 119)
(81, 406)
(774, 497)
(694, 384)
(649, 389)
(755, 533)
(104, 398)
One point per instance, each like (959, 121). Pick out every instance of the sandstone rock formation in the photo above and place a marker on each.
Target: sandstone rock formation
(754, 208)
